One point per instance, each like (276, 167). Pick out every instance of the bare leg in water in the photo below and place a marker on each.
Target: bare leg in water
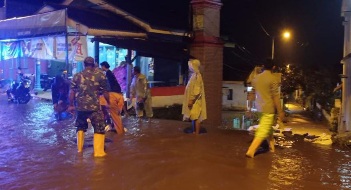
(271, 142)
(196, 126)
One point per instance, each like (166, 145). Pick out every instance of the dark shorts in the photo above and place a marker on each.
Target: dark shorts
(96, 118)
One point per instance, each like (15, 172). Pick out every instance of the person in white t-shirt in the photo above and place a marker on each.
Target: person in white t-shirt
(268, 104)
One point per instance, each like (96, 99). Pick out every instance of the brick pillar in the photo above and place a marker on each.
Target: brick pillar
(208, 48)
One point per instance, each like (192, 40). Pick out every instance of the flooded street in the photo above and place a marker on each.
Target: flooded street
(38, 152)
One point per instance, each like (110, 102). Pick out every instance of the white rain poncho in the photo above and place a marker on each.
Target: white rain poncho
(140, 90)
(195, 90)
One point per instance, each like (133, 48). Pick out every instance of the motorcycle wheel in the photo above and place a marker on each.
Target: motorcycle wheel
(25, 99)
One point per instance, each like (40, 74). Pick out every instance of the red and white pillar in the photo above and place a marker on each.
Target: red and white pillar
(208, 48)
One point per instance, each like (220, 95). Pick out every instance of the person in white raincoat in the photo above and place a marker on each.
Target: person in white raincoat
(140, 91)
(194, 103)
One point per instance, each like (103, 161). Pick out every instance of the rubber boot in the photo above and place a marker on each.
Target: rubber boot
(271, 142)
(80, 140)
(99, 145)
(253, 147)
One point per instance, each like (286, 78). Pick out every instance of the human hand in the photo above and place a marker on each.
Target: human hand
(60, 102)
(140, 99)
(190, 104)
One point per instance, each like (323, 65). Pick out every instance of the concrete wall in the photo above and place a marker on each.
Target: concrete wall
(235, 100)
(167, 96)
(234, 95)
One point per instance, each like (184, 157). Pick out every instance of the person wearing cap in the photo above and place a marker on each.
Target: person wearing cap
(194, 102)
(84, 98)
(141, 92)
(268, 103)
(116, 98)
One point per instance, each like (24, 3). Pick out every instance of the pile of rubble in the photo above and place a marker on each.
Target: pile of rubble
(343, 139)
(323, 138)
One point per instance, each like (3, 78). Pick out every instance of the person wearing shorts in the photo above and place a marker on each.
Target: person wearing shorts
(85, 89)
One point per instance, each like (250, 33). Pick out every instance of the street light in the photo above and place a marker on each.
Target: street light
(286, 35)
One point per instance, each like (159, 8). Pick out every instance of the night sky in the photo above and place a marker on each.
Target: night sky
(316, 26)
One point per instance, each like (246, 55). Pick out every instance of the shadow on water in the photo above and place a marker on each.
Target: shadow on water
(38, 152)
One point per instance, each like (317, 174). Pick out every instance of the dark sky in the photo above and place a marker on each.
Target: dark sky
(316, 27)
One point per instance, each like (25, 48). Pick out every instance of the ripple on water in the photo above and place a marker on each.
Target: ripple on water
(40, 153)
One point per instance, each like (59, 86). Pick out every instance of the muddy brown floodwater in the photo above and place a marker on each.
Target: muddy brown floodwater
(37, 152)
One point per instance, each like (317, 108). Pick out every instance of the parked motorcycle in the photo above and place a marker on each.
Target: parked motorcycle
(4, 82)
(46, 82)
(20, 92)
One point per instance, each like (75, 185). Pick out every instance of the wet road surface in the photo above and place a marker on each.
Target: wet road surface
(38, 152)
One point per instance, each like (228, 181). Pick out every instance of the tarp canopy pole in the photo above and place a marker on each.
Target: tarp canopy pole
(66, 44)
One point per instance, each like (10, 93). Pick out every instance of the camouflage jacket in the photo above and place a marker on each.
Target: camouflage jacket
(87, 86)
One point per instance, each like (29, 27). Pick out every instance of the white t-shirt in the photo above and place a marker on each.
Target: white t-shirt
(266, 85)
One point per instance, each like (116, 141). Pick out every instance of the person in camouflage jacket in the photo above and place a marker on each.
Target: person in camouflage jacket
(84, 98)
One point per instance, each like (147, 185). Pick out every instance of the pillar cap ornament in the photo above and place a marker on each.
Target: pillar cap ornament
(346, 59)
(207, 3)
(346, 6)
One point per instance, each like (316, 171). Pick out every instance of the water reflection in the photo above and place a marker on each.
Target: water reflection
(345, 172)
(287, 169)
(38, 152)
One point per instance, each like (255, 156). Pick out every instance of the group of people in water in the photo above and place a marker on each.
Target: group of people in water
(116, 81)
(96, 96)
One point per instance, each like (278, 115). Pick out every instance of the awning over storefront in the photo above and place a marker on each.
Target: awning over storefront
(150, 47)
(111, 25)
(107, 23)
(32, 26)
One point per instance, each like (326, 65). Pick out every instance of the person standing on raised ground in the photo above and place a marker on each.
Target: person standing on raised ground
(194, 103)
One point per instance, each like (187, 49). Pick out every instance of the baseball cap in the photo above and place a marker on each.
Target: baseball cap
(89, 61)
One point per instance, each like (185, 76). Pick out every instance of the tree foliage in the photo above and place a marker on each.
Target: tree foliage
(292, 79)
(314, 82)
(320, 84)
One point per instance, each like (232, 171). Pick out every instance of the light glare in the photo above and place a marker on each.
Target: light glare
(286, 35)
